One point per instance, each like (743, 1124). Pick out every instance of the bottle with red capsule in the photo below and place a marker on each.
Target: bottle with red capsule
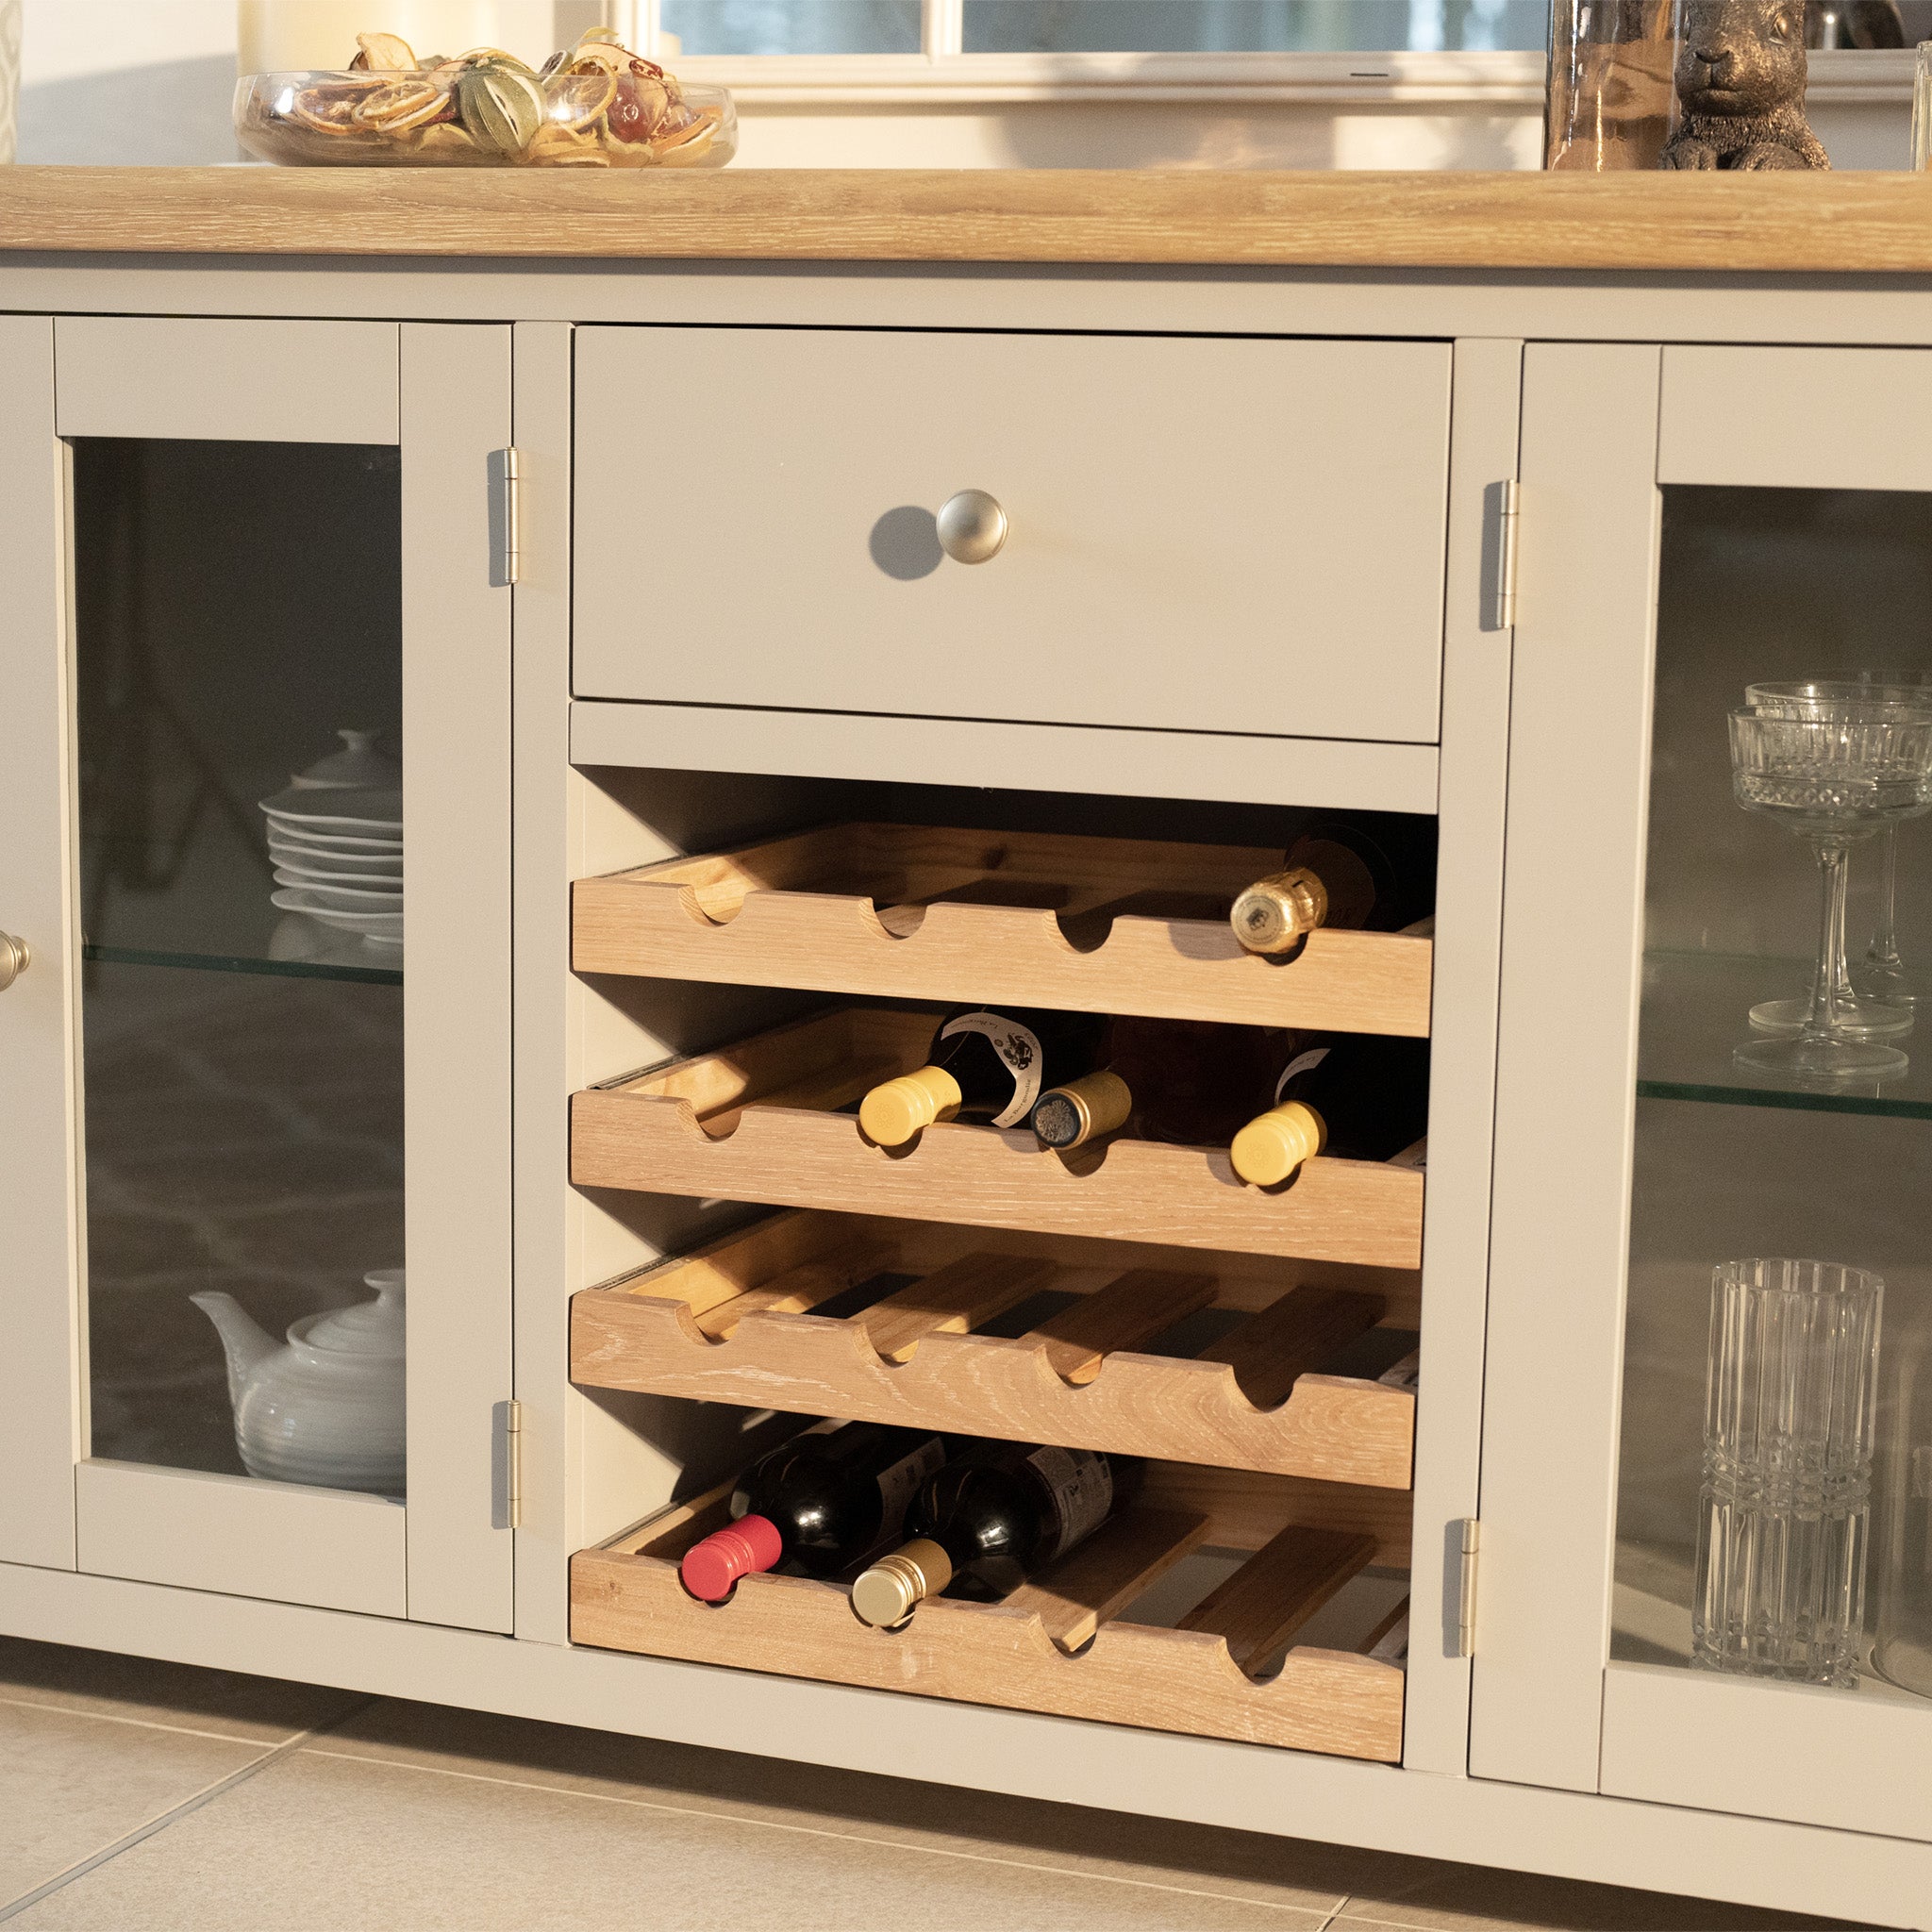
(824, 1501)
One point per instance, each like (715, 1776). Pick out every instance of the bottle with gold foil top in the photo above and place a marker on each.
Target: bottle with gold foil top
(992, 1517)
(1357, 1097)
(983, 1066)
(1339, 875)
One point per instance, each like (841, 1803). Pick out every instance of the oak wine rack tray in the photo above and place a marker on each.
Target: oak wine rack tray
(731, 1322)
(1193, 1678)
(1091, 924)
(758, 1121)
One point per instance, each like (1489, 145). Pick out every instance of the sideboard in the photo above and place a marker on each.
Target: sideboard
(1468, 504)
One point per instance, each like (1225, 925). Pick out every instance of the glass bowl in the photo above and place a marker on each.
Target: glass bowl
(438, 118)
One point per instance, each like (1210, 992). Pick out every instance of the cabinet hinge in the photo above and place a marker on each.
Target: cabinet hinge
(505, 490)
(513, 1464)
(1465, 1617)
(1502, 615)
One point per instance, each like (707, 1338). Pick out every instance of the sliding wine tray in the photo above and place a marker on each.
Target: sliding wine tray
(757, 1121)
(731, 1322)
(1102, 926)
(1193, 1678)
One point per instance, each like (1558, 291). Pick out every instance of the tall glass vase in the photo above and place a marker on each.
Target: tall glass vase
(1611, 100)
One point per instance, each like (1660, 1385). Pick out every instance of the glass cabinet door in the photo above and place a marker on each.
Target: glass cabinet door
(288, 1116)
(1732, 1243)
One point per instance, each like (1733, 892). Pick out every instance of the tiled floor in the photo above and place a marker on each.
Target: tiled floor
(177, 1800)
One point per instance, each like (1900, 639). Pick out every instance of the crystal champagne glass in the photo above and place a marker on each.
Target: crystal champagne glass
(1833, 781)
(1875, 996)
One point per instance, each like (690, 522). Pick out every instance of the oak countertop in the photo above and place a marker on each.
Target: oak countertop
(1780, 224)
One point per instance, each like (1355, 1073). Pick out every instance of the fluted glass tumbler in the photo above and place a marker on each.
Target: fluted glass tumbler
(1791, 1405)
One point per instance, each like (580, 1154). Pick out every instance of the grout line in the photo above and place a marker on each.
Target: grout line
(207, 1795)
(144, 1723)
(821, 1831)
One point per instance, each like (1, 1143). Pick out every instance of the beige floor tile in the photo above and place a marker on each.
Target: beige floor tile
(1472, 1898)
(317, 1843)
(71, 1784)
(1235, 1864)
(224, 1703)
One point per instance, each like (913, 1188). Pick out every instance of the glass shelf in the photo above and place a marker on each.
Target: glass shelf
(1695, 1008)
(322, 965)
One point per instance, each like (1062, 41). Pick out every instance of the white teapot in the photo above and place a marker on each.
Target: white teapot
(327, 1406)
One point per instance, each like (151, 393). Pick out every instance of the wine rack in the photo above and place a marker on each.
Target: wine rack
(1059, 1644)
(1091, 924)
(731, 1323)
(758, 1121)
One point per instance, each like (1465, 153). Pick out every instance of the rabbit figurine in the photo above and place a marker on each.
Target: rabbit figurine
(1740, 80)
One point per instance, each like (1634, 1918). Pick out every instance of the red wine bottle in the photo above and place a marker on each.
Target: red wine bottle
(825, 1500)
(1192, 1082)
(1356, 1096)
(983, 1066)
(993, 1515)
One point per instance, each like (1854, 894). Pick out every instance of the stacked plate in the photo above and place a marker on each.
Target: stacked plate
(337, 852)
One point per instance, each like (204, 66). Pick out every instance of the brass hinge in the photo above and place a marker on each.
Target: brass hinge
(505, 490)
(1465, 1618)
(513, 1464)
(1502, 612)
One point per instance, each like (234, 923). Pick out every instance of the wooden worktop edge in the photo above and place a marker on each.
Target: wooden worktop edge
(1823, 224)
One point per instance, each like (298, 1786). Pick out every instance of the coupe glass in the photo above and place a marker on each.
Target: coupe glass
(1881, 980)
(1833, 781)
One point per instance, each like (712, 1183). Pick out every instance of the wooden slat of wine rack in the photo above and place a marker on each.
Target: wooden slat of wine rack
(627, 1596)
(911, 913)
(703, 1326)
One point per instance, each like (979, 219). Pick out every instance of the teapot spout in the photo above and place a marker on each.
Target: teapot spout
(246, 1344)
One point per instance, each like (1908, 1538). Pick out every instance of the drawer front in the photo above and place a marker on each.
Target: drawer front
(1202, 534)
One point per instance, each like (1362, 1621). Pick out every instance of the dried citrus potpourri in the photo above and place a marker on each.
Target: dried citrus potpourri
(596, 105)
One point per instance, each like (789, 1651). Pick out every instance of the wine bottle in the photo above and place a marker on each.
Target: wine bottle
(826, 1500)
(1192, 1082)
(992, 1517)
(983, 1066)
(1339, 875)
(1360, 1097)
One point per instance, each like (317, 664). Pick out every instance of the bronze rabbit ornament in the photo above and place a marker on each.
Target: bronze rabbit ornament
(1740, 81)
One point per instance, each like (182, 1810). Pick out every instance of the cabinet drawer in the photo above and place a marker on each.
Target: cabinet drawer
(1205, 535)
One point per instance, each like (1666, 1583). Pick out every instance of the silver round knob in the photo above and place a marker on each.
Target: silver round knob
(971, 526)
(15, 958)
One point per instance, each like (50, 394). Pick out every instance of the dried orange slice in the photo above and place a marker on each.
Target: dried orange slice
(401, 105)
(575, 100)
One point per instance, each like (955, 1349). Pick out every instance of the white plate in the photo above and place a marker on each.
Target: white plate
(332, 841)
(356, 890)
(371, 925)
(341, 809)
(343, 868)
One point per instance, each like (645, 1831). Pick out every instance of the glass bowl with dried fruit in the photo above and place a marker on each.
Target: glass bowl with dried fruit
(595, 105)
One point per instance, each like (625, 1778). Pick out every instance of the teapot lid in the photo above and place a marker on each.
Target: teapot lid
(361, 764)
(365, 1329)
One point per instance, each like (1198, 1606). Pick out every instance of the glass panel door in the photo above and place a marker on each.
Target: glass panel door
(1771, 1500)
(238, 643)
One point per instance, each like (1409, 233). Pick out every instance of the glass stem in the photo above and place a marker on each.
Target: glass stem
(1826, 1008)
(1883, 951)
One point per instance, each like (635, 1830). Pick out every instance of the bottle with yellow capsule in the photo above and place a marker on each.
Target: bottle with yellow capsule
(1356, 1097)
(1342, 874)
(985, 1066)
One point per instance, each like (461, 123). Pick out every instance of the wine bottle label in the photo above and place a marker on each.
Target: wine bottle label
(1406, 1374)
(1082, 1487)
(1302, 1063)
(1018, 1047)
(1393, 1646)
(904, 1480)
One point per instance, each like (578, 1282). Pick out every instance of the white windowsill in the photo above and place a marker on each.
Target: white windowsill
(1396, 79)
